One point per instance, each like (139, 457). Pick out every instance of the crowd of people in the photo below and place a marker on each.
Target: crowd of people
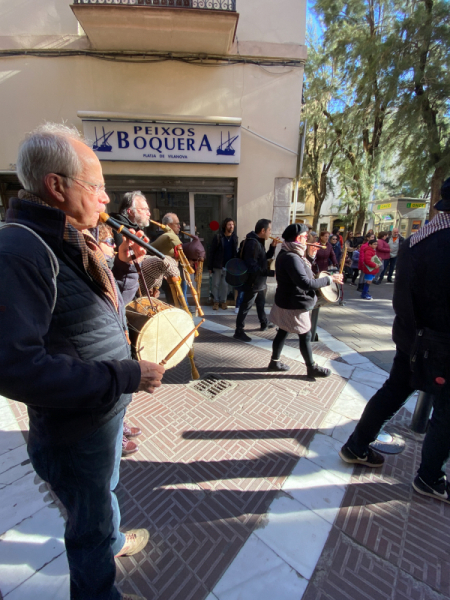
(64, 329)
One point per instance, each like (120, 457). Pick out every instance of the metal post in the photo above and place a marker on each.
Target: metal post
(422, 412)
(299, 169)
(314, 319)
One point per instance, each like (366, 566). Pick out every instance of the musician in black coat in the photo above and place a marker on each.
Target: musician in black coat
(295, 297)
(418, 304)
(255, 257)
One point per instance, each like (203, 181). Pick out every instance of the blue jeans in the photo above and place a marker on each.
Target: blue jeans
(382, 270)
(391, 266)
(83, 475)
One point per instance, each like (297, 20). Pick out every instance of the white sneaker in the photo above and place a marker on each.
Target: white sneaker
(236, 310)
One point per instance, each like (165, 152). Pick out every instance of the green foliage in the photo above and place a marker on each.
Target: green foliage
(391, 107)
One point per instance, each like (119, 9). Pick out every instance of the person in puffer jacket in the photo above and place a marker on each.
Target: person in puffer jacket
(370, 268)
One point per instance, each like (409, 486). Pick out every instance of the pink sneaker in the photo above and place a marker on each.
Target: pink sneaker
(130, 431)
(128, 447)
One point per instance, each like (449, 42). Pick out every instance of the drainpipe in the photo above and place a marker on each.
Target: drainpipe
(299, 169)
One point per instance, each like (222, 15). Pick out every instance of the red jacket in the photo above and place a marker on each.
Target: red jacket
(367, 253)
(383, 250)
(361, 254)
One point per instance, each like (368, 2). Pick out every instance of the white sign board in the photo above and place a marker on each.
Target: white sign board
(164, 142)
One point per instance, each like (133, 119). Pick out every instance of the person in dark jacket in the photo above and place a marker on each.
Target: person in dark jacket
(416, 304)
(64, 348)
(255, 257)
(337, 249)
(133, 212)
(223, 248)
(325, 256)
(295, 297)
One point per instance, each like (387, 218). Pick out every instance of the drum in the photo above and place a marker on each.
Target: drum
(236, 272)
(329, 294)
(156, 328)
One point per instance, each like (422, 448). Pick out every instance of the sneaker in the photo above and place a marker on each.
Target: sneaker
(371, 458)
(440, 490)
(224, 306)
(267, 325)
(277, 365)
(351, 283)
(135, 541)
(316, 371)
(366, 297)
(128, 447)
(131, 432)
(241, 335)
(389, 281)
(216, 306)
(236, 310)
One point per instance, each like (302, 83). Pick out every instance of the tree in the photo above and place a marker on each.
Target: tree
(358, 39)
(321, 143)
(420, 129)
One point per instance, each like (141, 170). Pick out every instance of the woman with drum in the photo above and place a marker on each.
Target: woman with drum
(295, 297)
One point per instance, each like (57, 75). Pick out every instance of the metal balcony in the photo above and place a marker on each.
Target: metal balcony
(229, 5)
(190, 26)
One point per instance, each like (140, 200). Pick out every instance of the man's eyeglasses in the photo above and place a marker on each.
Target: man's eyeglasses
(109, 242)
(96, 188)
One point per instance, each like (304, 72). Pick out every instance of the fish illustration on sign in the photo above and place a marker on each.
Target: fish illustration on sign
(101, 143)
(225, 148)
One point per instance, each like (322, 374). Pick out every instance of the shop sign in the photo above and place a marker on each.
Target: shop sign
(387, 218)
(416, 205)
(383, 206)
(416, 225)
(164, 142)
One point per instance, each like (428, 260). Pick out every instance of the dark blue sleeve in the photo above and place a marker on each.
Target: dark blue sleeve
(28, 373)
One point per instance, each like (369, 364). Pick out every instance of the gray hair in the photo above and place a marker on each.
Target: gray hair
(46, 150)
(128, 201)
(168, 218)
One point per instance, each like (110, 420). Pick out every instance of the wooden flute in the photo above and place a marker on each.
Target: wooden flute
(105, 218)
(161, 226)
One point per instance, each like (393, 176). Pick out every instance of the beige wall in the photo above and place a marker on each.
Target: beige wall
(38, 89)
(268, 99)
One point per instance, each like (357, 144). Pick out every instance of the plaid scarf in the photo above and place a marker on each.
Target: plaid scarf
(440, 221)
(94, 260)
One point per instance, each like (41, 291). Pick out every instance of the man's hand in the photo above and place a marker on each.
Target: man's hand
(125, 248)
(338, 278)
(151, 375)
(275, 243)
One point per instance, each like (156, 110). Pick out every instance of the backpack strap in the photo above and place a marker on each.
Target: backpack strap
(53, 260)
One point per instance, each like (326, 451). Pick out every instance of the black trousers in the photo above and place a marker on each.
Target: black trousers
(384, 405)
(304, 340)
(259, 298)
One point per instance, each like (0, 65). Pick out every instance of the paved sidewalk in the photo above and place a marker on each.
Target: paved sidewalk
(244, 495)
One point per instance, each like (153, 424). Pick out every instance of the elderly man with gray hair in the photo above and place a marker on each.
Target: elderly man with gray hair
(64, 348)
(134, 213)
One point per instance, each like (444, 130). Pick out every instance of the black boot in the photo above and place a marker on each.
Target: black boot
(315, 371)
(240, 334)
(277, 365)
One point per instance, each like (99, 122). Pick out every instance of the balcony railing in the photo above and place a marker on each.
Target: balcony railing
(228, 5)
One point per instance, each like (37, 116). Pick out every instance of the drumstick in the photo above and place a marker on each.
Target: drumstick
(183, 341)
(343, 261)
(161, 226)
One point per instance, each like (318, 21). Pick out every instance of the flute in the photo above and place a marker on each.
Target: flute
(315, 244)
(105, 218)
(161, 226)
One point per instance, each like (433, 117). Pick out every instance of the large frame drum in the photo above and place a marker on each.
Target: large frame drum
(156, 328)
(329, 294)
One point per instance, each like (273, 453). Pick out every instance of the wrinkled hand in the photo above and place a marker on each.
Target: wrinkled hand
(312, 251)
(151, 375)
(338, 278)
(129, 250)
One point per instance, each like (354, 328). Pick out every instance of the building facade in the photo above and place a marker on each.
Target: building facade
(194, 102)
